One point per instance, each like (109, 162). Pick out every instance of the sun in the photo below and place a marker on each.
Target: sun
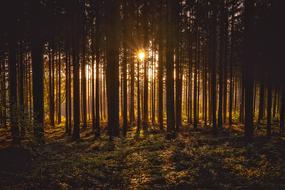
(141, 55)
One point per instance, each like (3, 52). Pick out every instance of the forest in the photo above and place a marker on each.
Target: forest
(142, 94)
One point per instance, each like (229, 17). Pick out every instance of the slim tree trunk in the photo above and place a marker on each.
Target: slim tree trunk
(179, 72)
(76, 81)
(145, 96)
(93, 42)
(146, 63)
(160, 75)
(67, 81)
(124, 70)
(170, 67)
(69, 94)
(261, 102)
(190, 91)
(231, 93)
(269, 109)
(59, 87)
(138, 100)
(97, 88)
(3, 93)
(12, 66)
(242, 99)
(196, 81)
(178, 92)
(248, 70)
(282, 110)
(83, 83)
(132, 101)
(51, 84)
(213, 73)
(275, 103)
(21, 89)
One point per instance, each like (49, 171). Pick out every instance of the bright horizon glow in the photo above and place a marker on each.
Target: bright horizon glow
(141, 55)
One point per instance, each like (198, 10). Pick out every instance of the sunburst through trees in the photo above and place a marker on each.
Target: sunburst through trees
(122, 65)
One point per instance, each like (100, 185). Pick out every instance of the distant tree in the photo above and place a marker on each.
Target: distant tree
(12, 67)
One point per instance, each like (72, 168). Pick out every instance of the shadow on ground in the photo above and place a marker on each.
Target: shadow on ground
(195, 159)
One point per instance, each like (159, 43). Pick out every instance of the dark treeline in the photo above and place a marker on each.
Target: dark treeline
(141, 64)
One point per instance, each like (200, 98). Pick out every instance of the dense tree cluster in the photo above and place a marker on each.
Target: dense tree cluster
(140, 63)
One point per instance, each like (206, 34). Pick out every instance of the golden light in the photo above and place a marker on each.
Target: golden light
(141, 55)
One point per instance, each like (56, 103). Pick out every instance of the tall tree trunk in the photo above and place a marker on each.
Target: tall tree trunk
(124, 70)
(222, 61)
(97, 88)
(269, 109)
(67, 81)
(69, 94)
(242, 99)
(145, 96)
(112, 71)
(132, 101)
(179, 72)
(51, 84)
(93, 43)
(146, 63)
(170, 66)
(3, 93)
(76, 79)
(12, 66)
(21, 89)
(248, 70)
(138, 100)
(83, 82)
(225, 62)
(178, 91)
(205, 96)
(231, 93)
(190, 92)
(196, 81)
(261, 102)
(153, 89)
(125, 94)
(275, 103)
(38, 81)
(160, 74)
(282, 110)
(59, 87)
(213, 68)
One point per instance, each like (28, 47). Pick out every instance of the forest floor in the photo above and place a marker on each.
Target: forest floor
(195, 159)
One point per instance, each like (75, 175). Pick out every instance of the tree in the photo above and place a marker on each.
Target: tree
(213, 66)
(125, 82)
(248, 69)
(12, 66)
(269, 109)
(76, 73)
(112, 70)
(160, 69)
(97, 83)
(282, 111)
(38, 73)
(172, 11)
